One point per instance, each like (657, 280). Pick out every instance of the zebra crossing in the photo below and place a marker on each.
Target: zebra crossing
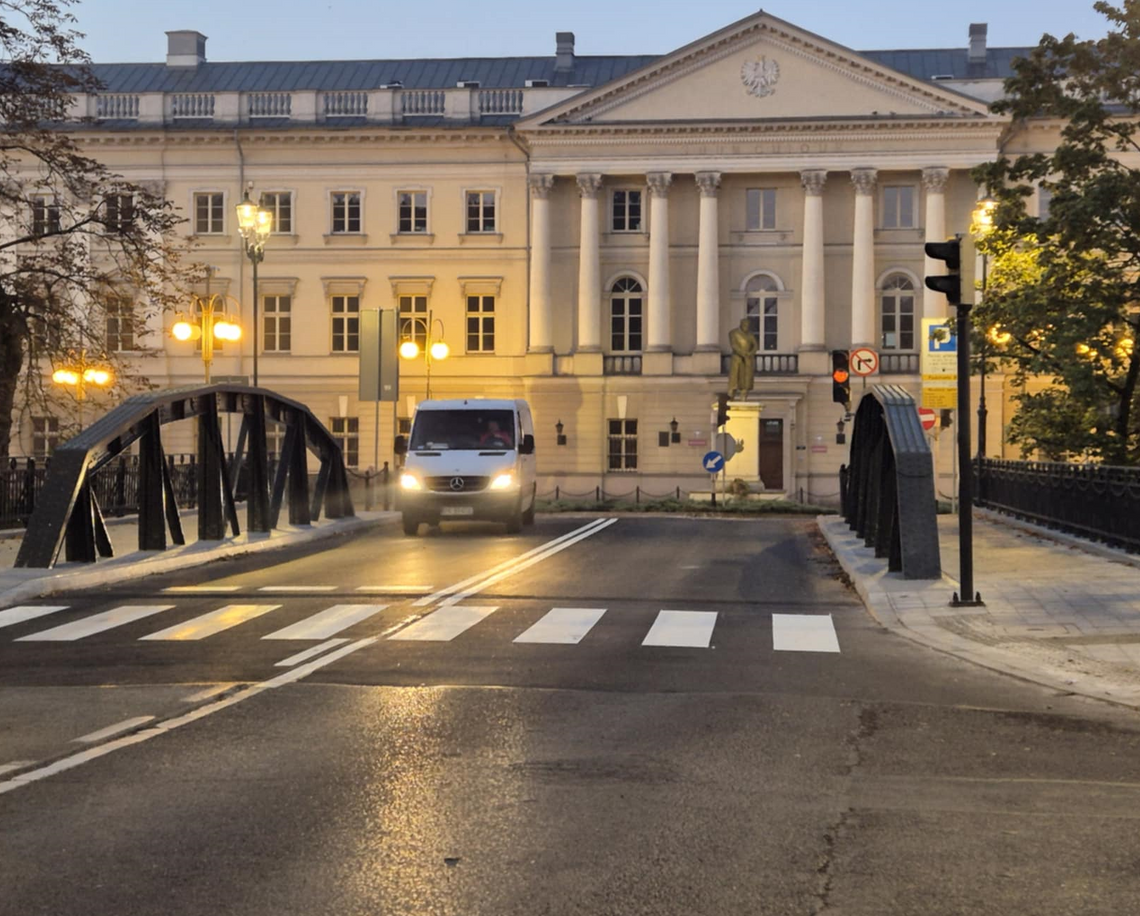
(671, 628)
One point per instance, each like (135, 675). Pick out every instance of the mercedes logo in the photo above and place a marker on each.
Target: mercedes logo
(457, 483)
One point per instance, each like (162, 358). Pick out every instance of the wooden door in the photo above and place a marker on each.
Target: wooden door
(772, 453)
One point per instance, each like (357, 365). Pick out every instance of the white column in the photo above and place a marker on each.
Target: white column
(934, 304)
(589, 267)
(541, 331)
(659, 332)
(863, 260)
(708, 264)
(812, 280)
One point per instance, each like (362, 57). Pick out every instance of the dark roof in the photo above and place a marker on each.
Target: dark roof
(952, 62)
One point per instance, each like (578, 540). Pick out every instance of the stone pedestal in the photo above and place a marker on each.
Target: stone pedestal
(744, 426)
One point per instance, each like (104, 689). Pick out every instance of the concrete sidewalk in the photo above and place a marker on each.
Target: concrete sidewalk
(1059, 611)
(18, 585)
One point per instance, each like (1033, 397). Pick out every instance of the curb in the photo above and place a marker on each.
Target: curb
(108, 572)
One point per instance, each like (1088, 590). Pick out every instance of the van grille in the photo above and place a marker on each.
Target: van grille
(457, 484)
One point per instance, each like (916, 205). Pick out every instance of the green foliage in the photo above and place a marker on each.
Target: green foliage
(1066, 287)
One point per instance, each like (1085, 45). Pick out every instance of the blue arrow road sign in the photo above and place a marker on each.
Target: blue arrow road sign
(713, 462)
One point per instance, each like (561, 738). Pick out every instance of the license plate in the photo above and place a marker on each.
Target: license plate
(457, 510)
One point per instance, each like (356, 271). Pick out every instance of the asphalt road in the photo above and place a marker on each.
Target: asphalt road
(649, 716)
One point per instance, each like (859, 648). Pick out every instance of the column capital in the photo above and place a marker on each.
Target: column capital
(708, 182)
(540, 185)
(589, 184)
(934, 179)
(864, 180)
(813, 181)
(659, 183)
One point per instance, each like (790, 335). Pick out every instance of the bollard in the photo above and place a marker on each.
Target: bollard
(368, 490)
(384, 480)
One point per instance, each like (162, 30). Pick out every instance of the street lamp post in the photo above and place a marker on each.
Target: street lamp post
(214, 324)
(434, 347)
(254, 224)
(79, 374)
(981, 226)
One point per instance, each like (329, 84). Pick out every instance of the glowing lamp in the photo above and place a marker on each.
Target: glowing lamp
(409, 349)
(439, 350)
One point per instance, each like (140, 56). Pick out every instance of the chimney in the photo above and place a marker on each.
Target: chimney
(185, 48)
(564, 52)
(977, 54)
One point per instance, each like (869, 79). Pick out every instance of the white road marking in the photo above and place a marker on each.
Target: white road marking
(298, 588)
(328, 622)
(214, 622)
(14, 765)
(24, 612)
(804, 633)
(111, 730)
(96, 623)
(563, 625)
(397, 589)
(692, 629)
(309, 653)
(189, 589)
(208, 692)
(444, 624)
(506, 564)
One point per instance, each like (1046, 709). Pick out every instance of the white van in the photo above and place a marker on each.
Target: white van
(469, 459)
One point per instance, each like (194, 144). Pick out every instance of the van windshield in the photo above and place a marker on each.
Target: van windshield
(463, 429)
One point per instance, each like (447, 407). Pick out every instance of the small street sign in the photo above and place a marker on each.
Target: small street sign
(928, 418)
(713, 462)
(699, 443)
(864, 361)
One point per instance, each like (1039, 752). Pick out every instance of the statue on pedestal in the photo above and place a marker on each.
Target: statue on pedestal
(742, 368)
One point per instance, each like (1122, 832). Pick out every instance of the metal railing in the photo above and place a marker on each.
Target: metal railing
(117, 106)
(1096, 501)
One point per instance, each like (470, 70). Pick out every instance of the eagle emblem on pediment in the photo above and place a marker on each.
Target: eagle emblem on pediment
(760, 76)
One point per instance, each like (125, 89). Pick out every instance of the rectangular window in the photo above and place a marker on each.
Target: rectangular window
(622, 445)
(277, 330)
(346, 324)
(346, 431)
(761, 208)
(1044, 202)
(209, 213)
(412, 211)
(480, 324)
(626, 211)
(274, 438)
(45, 215)
(770, 337)
(345, 212)
(45, 436)
(119, 213)
(413, 319)
(280, 204)
(480, 211)
(898, 206)
(120, 326)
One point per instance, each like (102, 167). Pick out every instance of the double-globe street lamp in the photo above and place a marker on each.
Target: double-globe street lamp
(255, 224)
(435, 348)
(209, 323)
(79, 374)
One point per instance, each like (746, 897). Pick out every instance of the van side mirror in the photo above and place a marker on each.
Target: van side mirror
(527, 447)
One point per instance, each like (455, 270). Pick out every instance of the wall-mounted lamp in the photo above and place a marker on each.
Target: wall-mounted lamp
(840, 435)
(558, 427)
(674, 430)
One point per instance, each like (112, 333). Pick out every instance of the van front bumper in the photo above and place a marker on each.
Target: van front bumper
(486, 505)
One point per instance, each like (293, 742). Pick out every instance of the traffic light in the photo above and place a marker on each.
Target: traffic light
(840, 377)
(958, 283)
(721, 406)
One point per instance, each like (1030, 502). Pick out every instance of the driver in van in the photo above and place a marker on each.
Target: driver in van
(495, 436)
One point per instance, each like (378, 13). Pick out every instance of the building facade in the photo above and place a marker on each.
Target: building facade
(583, 232)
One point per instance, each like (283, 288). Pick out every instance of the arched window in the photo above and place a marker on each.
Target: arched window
(763, 311)
(896, 310)
(626, 298)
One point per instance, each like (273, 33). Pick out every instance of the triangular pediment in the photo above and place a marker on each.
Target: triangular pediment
(760, 68)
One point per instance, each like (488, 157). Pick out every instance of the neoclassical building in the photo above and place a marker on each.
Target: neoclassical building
(583, 231)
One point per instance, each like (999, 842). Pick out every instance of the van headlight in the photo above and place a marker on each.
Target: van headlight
(503, 481)
(410, 482)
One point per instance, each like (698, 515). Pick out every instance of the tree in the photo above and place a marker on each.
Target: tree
(82, 250)
(1065, 285)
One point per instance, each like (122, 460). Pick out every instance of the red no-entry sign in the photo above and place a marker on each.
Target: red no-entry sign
(928, 417)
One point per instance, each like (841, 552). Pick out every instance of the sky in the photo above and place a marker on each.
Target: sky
(133, 30)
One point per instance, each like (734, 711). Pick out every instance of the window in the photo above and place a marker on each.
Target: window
(413, 319)
(480, 211)
(345, 324)
(898, 206)
(209, 213)
(1044, 202)
(277, 324)
(280, 204)
(45, 436)
(480, 324)
(274, 437)
(763, 311)
(761, 208)
(45, 215)
(896, 302)
(623, 445)
(625, 316)
(345, 212)
(626, 211)
(120, 326)
(413, 211)
(119, 213)
(346, 431)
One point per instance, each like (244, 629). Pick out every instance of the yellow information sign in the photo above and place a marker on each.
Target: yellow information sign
(939, 398)
(938, 362)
